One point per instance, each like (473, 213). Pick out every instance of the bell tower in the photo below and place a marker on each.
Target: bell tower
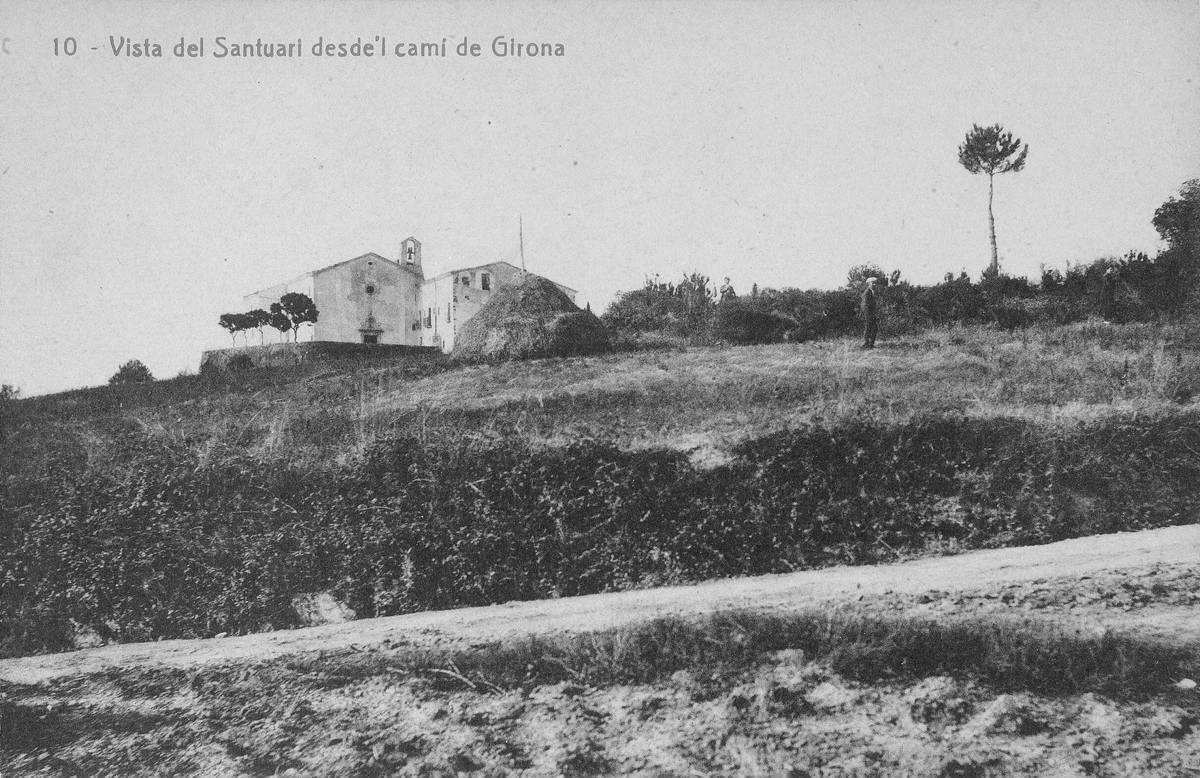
(410, 254)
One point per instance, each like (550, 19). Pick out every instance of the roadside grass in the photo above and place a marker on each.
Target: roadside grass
(346, 711)
(1003, 654)
(1000, 654)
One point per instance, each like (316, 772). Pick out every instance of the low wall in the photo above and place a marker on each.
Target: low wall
(286, 354)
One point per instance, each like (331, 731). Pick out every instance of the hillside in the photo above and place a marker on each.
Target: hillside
(679, 398)
(206, 505)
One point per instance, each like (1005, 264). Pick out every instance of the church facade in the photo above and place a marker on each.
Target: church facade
(373, 299)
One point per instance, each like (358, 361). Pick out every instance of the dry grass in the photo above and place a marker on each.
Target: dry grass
(738, 693)
(729, 394)
(1003, 654)
(700, 399)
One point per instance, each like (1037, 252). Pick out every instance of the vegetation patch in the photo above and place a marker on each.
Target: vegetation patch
(164, 544)
(1005, 655)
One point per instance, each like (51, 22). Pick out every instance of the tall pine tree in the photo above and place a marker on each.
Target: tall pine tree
(992, 150)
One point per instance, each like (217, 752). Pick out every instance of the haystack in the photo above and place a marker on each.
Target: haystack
(527, 319)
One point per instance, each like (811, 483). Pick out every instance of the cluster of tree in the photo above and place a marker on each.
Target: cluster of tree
(292, 310)
(1135, 287)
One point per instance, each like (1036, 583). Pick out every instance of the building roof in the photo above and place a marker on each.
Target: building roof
(492, 264)
(369, 255)
(401, 265)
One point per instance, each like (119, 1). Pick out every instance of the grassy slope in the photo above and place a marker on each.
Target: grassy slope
(196, 506)
(702, 398)
(755, 712)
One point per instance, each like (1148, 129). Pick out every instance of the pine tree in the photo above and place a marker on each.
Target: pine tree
(992, 150)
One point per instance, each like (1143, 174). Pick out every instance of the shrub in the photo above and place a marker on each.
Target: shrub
(132, 372)
(741, 321)
(1010, 314)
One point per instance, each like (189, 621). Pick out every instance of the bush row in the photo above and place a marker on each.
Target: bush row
(173, 548)
(1126, 289)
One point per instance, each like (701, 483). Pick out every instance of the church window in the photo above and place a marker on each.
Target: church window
(466, 280)
(447, 312)
(370, 288)
(485, 281)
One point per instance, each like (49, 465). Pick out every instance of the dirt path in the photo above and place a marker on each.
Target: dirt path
(1080, 558)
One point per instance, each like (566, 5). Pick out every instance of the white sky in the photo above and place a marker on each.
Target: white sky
(770, 142)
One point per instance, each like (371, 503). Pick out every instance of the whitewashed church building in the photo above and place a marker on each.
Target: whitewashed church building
(373, 299)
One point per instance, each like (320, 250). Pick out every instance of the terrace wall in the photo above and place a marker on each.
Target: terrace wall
(285, 354)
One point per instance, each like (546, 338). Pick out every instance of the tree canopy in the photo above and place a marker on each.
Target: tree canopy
(1178, 219)
(298, 308)
(257, 319)
(292, 310)
(857, 276)
(233, 323)
(279, 320)
(992, 150)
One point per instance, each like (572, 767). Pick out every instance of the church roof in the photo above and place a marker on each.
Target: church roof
(369, 255)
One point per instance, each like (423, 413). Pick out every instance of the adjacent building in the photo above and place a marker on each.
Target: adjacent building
(373, 299)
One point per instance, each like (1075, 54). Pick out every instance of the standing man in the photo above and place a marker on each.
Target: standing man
(870, 313)
(1108, 294)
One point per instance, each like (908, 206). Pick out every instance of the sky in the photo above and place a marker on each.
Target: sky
(774, 143)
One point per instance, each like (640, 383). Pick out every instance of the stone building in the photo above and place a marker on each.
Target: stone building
(373, 299)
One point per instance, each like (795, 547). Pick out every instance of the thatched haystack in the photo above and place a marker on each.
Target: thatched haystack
(527, 319)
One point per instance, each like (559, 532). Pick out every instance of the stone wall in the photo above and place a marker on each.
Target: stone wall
(286, 354)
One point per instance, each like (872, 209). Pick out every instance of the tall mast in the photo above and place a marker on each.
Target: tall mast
(521, 237)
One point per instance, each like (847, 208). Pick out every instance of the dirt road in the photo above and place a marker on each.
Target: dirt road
(1106, 555)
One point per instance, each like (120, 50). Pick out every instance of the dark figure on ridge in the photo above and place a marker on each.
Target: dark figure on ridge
(870, 314)
(1108, 294)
